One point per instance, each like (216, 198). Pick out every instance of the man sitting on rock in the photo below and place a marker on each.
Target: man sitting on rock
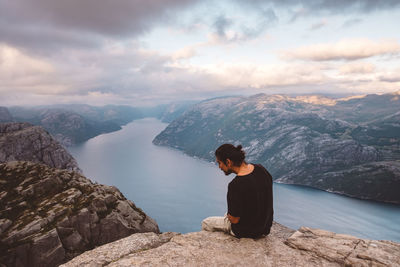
(250, 202)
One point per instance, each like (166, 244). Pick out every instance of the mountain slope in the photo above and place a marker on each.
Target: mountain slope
(305, 140)
(72, 124)
(25, 142)
(5, 115)
(48, 215)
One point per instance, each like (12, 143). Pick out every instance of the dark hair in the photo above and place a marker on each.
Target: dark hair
(229, 151)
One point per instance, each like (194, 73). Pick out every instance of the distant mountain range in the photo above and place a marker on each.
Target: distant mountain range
(348, 146)
(73, 124)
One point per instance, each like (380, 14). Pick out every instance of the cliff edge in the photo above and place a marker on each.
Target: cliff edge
(49, 216)
(282, 247)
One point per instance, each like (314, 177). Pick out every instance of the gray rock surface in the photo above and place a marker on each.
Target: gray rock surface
(115, 251)
(48, 216)
(5, 115)
(282, 247)
(25, 142)
(345, 249)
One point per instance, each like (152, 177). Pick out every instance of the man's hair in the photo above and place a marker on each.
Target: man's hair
(229, 151)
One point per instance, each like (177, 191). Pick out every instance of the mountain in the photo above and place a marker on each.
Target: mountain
(5, 115)
(174, 110)
(347, 146)
(75, 123)
(118, 114)
(167, 112)
(48, 215)
(25, 142)
(72, 124)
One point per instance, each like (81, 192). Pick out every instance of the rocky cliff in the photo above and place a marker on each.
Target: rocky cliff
(282, 247)
(349, 147)
(25, 142)
(48, 215)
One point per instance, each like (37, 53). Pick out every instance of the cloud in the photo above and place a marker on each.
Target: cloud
(126, 74)
(390, 77)
(277, 75)
(92, 51)
(344, 50)
(319, 25)
(351, 22)
(109, 18)
(357, 68)
(238, 28)
(121, 74)
(50, 25)
(18, 70)
(221, 24)
(265, 19)
(185, 53)
(345, 5)
(303, 8)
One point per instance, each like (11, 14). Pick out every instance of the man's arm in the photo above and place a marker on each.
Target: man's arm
(233, 220)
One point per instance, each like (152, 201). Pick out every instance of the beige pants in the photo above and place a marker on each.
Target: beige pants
(217, 223)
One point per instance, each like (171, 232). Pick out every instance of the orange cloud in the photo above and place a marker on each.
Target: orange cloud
(357, 68)
(344, 50)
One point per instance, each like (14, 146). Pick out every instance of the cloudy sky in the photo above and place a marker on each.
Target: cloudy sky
(155, 51)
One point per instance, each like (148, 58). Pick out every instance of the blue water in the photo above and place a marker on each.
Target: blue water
(179, 191)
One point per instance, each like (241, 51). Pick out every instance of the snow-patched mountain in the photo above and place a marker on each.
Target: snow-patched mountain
(348, 146)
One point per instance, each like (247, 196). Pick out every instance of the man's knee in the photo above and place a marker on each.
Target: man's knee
(216, 223)
(209, 224)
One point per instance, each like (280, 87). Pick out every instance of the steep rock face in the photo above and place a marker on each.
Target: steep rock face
(5, 115)
(50, 215)
(301, 142)
(22, 141)
(282, 247)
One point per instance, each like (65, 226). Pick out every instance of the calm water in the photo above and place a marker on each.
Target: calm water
(179, 191)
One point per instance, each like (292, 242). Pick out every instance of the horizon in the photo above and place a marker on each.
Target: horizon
(134, 53)
(343, 97)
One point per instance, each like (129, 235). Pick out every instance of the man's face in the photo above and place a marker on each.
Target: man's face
(224, 167)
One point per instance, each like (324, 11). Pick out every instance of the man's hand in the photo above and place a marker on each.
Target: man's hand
(233, 220)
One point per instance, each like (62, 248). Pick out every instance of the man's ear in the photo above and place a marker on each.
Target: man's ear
(228, 163)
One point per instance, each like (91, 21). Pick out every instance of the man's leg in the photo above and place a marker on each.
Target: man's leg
(217, 223)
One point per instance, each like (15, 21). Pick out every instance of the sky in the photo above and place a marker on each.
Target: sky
(157, 51)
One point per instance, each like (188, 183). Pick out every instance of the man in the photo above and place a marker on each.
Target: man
(250, 203)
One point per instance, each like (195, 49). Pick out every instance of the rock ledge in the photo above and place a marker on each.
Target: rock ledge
(283, 247)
